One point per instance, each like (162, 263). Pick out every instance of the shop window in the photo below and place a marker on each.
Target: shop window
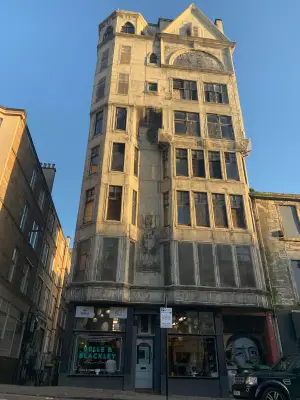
(109, 259)
(193, 322)
(123, 83)
(201, 209)
(97, 355)
(99, 123)
(121, 118)
(290, 221)
(104, 60)
(136, 162)
(206, 265)
(165, 156)
(186, 263)
(215, 93)
(182, 162)
(95, 159)
(185, 90)
(198, 163)
(183, 208)
(245, 266)
(219, 126)
(166, 205)
(83, 249)
(225, 264)
(231, 166)
(100, 91)
(215, 170)
(134, 207)
(220, 213)
(102, 320)
(186, 123)
(237, 211)
(192, 356)
(131, 262)
(118, 154)
(114, 203)
(125, 56)
(168, 266)
(88, 205)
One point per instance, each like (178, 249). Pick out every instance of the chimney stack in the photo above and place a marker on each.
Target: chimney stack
(219, 25)
(49, 171)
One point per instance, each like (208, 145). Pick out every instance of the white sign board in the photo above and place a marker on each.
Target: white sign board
(118, 312)
(165, 317)
(84, 312)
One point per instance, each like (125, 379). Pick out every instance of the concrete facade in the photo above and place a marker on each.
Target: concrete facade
(34, 254)
(147, 246)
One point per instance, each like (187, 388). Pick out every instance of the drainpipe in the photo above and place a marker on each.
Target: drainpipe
(266, 270)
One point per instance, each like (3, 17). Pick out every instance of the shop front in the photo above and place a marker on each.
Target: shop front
(125, 348)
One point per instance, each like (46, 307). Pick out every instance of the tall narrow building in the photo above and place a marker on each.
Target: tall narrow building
(165, 217)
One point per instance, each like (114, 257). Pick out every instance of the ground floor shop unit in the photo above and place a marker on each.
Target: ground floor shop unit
(125, 348)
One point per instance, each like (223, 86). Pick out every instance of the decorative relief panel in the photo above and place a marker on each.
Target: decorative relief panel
(198, 60)
(149, 254)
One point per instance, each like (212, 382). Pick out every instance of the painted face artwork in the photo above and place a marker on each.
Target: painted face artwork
(245, 351)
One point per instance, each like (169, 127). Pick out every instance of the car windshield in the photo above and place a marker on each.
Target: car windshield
(284, 363)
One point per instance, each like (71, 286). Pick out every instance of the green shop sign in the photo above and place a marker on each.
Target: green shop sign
(97, 353)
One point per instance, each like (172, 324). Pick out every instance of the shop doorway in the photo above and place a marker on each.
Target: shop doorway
(144, 364)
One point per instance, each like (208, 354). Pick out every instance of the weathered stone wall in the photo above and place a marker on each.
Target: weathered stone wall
(278, 250)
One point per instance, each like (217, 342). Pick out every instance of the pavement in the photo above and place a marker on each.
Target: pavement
(14, 392)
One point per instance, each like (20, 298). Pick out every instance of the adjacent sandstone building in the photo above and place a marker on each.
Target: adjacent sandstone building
(277, 216)
(34, 254)
(165, 216)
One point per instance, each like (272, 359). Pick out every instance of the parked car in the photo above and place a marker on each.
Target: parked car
(280, 382)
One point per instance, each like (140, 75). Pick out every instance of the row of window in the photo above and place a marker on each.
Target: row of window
(182, 90)
(205, 264)
(201, 204)
(185, 123)
(198, 167)
(125, 57)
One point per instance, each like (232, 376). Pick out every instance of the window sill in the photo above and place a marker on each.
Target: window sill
(186, 136)
(120, 130)
(112, 171)
(112, 221)
(218, 104)
(189, 100)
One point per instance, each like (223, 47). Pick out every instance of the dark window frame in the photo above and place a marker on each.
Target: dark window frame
(153, 59)
(128, 28)
(136, 162)
(154, 88)
(201, 198)
(215, 165)
(94, 160)
(238, 217)
(182, 162)
(231, 166)
(115, 193)
(217, 200)
(184, 204)
(121, 119)
(165, 161)
(217, 128)
(196, 164)
(118, 157)
(134, 207)
(89, 205)
(187, 89)
(216, 93)
(190, 125)
(99, 122)
(166, 208)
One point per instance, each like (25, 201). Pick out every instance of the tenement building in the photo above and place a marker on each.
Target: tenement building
(277, 216)
(165, 216)
(34, 256)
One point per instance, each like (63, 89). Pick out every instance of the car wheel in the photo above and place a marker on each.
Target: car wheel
(273, 393)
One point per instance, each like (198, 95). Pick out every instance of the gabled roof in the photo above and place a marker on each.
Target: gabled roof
(203, 20)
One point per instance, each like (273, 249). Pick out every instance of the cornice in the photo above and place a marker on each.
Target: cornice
(229, 73)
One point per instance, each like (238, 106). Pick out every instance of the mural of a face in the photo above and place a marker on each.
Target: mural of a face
(244, 350)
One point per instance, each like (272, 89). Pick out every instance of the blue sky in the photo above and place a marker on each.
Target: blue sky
(47, 63)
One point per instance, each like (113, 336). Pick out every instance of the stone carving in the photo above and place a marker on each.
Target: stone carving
(198, 60)
(149, 244)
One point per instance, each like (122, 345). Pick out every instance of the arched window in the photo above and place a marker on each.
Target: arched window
(153, 58)
(108, 34)
(128, 28)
